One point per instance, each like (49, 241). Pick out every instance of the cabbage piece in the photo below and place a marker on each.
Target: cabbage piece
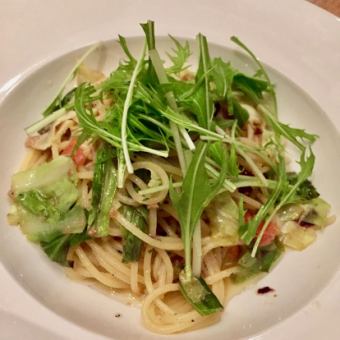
(42, 175)
(46, 197)
(47, 190)
(50, 201)
(297, 237)
(291, 212)
(38, 203)
(314, 212)
(64, 192)
(38, 228)
(223, 214)
(317, 212)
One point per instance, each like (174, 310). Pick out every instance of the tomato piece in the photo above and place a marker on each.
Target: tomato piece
(270, 233)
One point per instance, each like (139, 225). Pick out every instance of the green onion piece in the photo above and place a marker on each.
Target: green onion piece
(199, 295)
(132, 245)
(107, 195)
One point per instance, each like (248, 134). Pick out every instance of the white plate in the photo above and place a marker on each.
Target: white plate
(298, 278)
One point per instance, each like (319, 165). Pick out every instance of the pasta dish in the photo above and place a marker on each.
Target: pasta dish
(167, 184)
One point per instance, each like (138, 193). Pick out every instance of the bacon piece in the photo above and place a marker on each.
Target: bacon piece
(78, 157)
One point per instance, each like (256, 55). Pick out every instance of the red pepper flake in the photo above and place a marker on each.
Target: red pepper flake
(265, 290)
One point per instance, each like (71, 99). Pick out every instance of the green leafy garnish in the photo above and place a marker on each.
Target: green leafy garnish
(240, 114)
(196, 193)
(306, 190)
(202, 96)
(251, 86)
(123, 44)
(179, 57)
(261, 71)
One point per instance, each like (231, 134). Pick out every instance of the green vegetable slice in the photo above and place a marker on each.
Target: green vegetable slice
(132, 245)
(108, 191)
(199, 295)
(58, 245)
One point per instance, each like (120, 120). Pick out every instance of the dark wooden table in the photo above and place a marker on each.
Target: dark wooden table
(332, 6)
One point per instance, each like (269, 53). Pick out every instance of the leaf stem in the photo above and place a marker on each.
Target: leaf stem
(37, 126)
(68, 78)
(121, 169)
(127, 104)
(197, 251)
(162, 77)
